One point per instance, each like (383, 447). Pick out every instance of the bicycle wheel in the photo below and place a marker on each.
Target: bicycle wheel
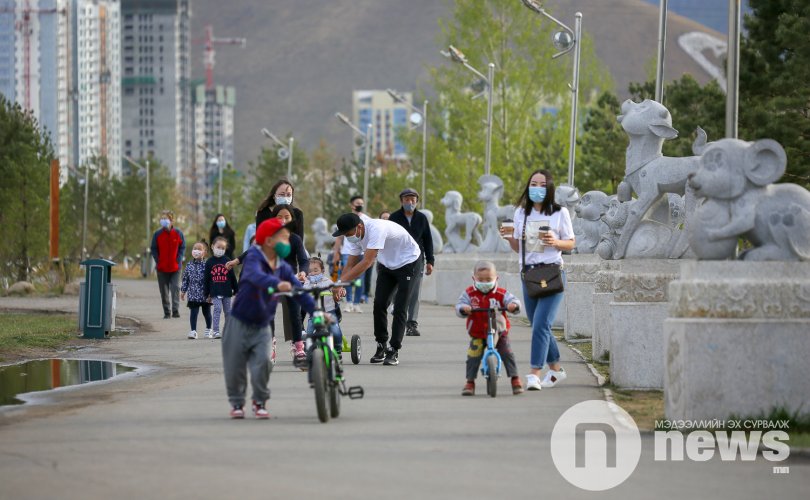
(492, 376)
(334, 392)
(356, 349)
(319, 383)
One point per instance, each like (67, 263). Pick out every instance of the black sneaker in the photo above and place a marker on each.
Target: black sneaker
(175, 314)
(379, 355)
(412, 331)
(392, 358)
(166, 316)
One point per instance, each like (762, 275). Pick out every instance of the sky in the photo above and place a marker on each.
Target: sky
(712, 13)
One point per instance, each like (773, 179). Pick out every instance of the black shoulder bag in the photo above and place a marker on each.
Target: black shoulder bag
(541, 280)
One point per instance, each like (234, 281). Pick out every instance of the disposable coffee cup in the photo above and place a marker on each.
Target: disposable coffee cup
(508, 224)
(541, 233)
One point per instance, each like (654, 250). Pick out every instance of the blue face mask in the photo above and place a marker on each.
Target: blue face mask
(221, 224)
(164, 223)
(537, 193)
(409, 207)
(315, 278)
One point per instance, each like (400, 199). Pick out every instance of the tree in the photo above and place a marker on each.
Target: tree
(25, 153)
(527, 80)
(774, 71)
(601, 147)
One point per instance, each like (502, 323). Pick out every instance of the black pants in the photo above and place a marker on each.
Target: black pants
(195, 310)
(169, 284)
(392, 284)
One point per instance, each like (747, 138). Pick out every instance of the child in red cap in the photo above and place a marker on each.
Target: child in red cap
(247, 336)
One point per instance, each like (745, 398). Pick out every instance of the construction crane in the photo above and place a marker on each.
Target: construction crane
(209, 58)
(24, 26)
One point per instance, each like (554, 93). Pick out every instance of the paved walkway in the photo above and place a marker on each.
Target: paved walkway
(165, 434)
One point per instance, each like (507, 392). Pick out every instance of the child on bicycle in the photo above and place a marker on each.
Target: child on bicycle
(246, 337)
(484, 289)
(317, 277)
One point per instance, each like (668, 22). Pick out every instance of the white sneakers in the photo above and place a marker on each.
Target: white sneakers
(533, 382)
(357, 308)
(192, 335)
(208, 334)
(349, 308)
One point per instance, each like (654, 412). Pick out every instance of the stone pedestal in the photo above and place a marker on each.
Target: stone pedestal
(637, 314)
(600, 307)
(581, 271)
(737, 340)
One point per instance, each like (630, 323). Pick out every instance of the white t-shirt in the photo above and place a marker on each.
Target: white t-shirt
(536, 252)
(395, 245)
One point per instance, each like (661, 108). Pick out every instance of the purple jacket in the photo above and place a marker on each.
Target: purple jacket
(253, 304)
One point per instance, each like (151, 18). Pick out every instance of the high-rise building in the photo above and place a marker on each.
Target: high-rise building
(380, 109)
(156, 67)
(98, 63)
(213, 128)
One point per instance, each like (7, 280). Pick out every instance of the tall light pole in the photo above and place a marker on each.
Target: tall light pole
(367, 138)
(733, 68)
(215, 162)
(397, 97)
(84, 221)
(284, 150)
(145, 168)
(662, 42)
(565, 41)
(456, 55)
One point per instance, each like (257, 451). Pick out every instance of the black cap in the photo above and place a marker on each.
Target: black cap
(346, 223)
(408, 192)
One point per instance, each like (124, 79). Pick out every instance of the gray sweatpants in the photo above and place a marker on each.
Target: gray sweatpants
(413, 299)
(246, 347)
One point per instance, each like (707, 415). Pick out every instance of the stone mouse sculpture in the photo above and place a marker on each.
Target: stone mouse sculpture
(588, 225)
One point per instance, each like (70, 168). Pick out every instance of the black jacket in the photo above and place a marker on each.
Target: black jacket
(419, 229)
(219, 281)
(297, 225)
(298, 258)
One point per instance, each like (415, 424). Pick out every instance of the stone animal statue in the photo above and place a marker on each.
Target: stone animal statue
(738, 199)
(650, 174)
(614, 219)
(490, 193)
(323, 238)
(458, 221)
(438, 244)
(568, 197)
(588, 224)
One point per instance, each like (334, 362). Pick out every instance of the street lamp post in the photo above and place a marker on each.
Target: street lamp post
(565, 41)
(662, 42)
(285, 150)
(215, 162)
(401, 99)
(456, 55)
(367, 137)
(148, 200)
(84, 221)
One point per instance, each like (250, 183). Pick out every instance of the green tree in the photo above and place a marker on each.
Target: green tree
(25, 153)
(527, 80)
(268, 169)
(774, 75)
(601, 147)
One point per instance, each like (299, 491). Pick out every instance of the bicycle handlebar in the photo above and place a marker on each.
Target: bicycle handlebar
(311, 289)
(487, 309)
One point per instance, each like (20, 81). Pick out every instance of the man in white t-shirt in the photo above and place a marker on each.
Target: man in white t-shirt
(396, 253)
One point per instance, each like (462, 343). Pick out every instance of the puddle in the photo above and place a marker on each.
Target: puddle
(47, 374)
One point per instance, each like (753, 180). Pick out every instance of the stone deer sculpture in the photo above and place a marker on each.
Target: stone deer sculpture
(458, 221)
(490, 193)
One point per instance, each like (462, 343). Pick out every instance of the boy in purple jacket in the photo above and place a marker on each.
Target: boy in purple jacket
(246, 337)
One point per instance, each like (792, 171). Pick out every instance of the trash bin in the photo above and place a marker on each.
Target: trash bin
(97, 299)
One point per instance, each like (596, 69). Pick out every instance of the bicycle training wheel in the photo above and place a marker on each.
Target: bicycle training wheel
(356, 349)
(492, 376)
(319, 383)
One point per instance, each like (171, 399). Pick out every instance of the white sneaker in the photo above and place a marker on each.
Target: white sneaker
(533, 382)
(357, 308)
(192, 335)
(553, 376)
(208, 333)
(349, 308)
(217, 335)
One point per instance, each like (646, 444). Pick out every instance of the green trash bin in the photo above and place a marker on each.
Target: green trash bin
(97, 299)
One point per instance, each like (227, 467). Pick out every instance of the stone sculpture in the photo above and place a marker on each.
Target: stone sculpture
(490, 193)
(651, 176)
(458, 221)
(614, 219)
(735, 181)
(323, 238)
(568, 197)
(588, 225)
(438, 244)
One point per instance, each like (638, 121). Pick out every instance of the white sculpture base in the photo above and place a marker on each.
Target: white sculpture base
(737, 339)
(581, 271)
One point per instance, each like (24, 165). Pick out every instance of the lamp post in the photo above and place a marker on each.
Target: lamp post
(397, 97)
(733, 69)
(215, 162)
(367, 137)
(457, 56)
(565, 41)
(148, 200)
(284, 150)
(662, 42)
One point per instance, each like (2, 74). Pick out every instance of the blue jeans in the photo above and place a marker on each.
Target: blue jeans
(353, 294)
(541, 313)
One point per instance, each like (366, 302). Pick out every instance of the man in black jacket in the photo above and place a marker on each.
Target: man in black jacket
(419, 228)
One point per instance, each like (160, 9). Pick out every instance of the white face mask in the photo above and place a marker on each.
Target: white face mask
(196, 254)
(485, 286)
(283, 200)
(315, 278)
(353, 239)
(219, 252)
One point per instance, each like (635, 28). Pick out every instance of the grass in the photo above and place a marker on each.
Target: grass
(31, 331)
(644, 406)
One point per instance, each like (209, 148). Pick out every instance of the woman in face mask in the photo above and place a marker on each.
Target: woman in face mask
(542, 231)
(282, 193)
(221, 229)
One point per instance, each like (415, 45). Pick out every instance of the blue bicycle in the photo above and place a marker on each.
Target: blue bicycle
(491, 361)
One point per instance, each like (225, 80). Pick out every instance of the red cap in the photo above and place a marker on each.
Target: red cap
(267, 229)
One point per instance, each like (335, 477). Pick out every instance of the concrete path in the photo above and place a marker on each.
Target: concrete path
(166, 434)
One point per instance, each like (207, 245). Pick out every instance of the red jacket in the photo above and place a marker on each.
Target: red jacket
(478, 322)
(168, 248)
